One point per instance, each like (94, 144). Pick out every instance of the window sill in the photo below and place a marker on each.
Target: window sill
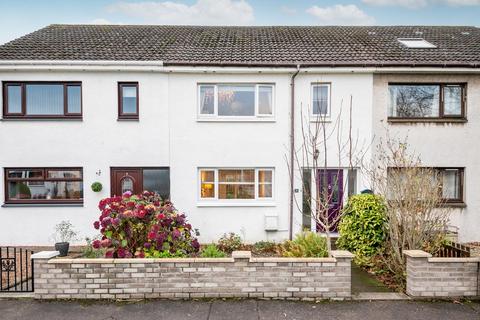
(236, 120)
(317, 120)
(41, 119)
(236, 204)
(128, 119)
(40, 205)
(427, 120)
(454, 205)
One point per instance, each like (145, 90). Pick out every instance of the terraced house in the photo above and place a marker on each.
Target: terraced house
(209, 116)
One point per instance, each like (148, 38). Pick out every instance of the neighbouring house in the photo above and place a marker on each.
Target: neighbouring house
(203, 115)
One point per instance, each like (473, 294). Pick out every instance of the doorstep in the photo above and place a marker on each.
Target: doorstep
(386, 296)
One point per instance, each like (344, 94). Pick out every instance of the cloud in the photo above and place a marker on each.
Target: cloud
(415, 4)
(288, 10)
(102, 21)
(340, 15)
(411, 4)
(462, 2)
(206, 12)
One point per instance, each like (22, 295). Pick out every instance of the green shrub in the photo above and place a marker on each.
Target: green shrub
(363, 226)
(305, 244)
(265, 247)
(211, 251)
(229, 242)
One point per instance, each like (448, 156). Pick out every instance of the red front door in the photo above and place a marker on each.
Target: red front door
(124, 180)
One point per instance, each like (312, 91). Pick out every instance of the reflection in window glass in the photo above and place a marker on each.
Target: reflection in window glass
(265, 99)
(414, 101)
(129, 99)
(62, 174)
(207, 180)
(320, 99)
(48, 190)
(207, 99)
(451, 184)
(25, 174)
(14, 99)
(74, 99)
(240, 175)
(265, 185)
(157, 180)
(236, 100)
(452, 96)
(127, 184)
(44, 99)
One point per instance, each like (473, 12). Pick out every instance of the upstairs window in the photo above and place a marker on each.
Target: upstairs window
(230, 101)
(128, 100)
(320, 100)
(416, 43)
(43, 185)
(42, 100)
(426, 101)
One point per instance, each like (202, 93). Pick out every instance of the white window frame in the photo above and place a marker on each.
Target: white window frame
(327, 116)
(215, 117)
(235, 202)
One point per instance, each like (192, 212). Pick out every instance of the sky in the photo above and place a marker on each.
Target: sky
(19, 17)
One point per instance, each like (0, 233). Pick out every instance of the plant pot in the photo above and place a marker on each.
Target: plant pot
(62, 247)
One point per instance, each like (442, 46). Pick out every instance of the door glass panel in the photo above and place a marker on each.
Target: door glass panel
(158, 181)
(127, 185)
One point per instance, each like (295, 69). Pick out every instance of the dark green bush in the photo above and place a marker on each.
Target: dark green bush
(363, 226)
(305, 244)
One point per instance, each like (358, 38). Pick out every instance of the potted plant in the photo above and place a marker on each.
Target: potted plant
(96, 186)
(65, 233)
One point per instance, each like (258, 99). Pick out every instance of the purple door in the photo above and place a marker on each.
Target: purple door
(330, 187)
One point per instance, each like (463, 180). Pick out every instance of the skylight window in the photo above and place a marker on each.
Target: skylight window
(416, 43)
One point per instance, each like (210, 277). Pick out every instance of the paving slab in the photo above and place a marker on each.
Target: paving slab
(29, 309)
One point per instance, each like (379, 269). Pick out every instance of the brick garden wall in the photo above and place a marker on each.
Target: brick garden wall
(441, 277)
(239, 276)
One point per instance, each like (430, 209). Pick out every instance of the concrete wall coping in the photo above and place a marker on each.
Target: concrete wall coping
(417, 254)
(235, 255)
(453, 260)
(45, 255)
(342, 254)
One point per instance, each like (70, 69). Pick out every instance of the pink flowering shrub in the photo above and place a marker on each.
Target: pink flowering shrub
(143, 226)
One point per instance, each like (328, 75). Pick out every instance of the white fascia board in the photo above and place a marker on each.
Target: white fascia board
(80, 65)
(157, 66)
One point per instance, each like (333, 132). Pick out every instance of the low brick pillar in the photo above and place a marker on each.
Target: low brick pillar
(430, 277)
(240, 276)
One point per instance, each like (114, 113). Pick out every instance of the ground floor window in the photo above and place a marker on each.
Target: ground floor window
(138, 179)
(236, 183)
(43, 185)
(451, 183)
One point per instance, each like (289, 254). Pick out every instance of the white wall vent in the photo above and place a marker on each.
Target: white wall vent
(271, 221)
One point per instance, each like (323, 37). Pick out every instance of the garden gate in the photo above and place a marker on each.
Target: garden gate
(16, 270)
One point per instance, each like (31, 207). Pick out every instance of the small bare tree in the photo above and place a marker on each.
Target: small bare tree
(313, 155)
(417, 217)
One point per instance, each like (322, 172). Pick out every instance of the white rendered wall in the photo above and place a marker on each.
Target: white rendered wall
(96, 143)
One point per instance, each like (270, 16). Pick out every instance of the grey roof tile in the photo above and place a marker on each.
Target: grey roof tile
(253, 46)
